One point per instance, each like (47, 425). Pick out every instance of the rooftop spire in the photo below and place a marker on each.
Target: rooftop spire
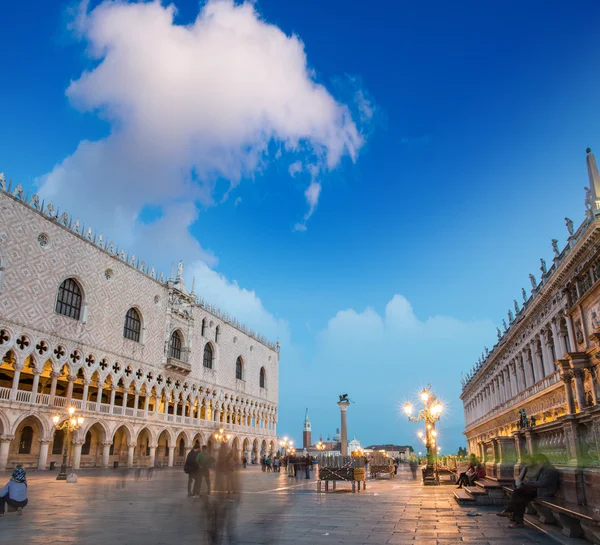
(306, 419)
(592, 197)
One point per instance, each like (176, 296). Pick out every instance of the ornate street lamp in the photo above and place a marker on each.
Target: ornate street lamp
(430, 414)
(71, 424)
(320, 446)
(221, 436)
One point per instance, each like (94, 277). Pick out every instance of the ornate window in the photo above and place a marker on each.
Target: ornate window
(26, 440)
(133, 325)
(208, 356)
(217, 332)
(203, 327)
(175, 345)
(69, 299)
(263, 378)
(239, 368)
(59, 442)
(86, 447)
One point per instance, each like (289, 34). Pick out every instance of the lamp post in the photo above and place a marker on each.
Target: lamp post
(71, 424)
(221, 436)
(429, 414)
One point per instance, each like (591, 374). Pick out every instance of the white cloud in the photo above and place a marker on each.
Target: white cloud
(295, 168)
(188, 105)
(381, 360)
(237, 201)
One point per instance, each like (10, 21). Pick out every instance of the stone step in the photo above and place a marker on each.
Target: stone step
(475, 491)
(552, 532)
(488, 483)
(463, 497)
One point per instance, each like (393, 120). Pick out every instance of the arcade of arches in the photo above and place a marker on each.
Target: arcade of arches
(137, 426)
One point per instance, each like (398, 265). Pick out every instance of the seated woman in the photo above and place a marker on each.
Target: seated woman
(15, 492)
(479, 474)
(465, 477)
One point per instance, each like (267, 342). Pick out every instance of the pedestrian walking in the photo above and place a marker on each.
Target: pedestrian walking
(204, 461)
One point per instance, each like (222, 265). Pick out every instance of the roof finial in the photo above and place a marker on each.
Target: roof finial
(179, 272)
(194, 285)
(171, 273)
(592, 199)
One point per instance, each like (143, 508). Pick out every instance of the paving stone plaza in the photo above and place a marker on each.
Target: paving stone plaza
(122, 506)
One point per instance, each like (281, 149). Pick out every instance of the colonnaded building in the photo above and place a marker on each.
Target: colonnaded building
(151, 367)
(546, 363)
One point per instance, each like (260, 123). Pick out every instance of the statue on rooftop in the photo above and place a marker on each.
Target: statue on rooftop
(543, 266)
(569, 223)
(555, 247)
(524, 295)
(516, 306)
(498, 333)
(533, 281)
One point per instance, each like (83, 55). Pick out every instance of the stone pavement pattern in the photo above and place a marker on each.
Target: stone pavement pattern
(114, 506)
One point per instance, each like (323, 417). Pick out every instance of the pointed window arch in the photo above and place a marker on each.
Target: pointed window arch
(263, 378)
(70, 299)
(86, 447)
(175, 345)
(59, 442)
(181, 448)
(239, 368)
(203, 332)
(217, 334)
(26, 440)
(208, 356)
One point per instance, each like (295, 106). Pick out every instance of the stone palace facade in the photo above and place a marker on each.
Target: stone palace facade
(546, 363)
(150, 366)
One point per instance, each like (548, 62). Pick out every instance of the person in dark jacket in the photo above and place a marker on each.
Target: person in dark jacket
(205, 461)
(544, 485)
(191, 467)
(15, 492)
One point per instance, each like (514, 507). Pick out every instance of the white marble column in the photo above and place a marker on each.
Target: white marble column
(113, 393)
(106, 454)
(171, 456)
(527, 366)
(43, 457)
(86, 389)
(152, 456)
(570, 332)
(5, 441)
(15, 382)
(559, 343)
(146, 404)
(578, 376)
(536, 359)
(35, 385)
(130, 454)
(54, 375)
(77, 455)
(124, 400)
(70, 382)
(99, 397)
(136, 401)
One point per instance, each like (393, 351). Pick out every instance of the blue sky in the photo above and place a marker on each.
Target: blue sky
(444, 144)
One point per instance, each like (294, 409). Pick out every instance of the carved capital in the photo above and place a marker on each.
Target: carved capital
(566, 377)
(71, 378)
(6, 438)
(579, 373)
(56, 374)
(107, 444)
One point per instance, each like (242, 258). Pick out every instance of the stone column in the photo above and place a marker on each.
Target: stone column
(537, 360)
(99, 397)
(512, 373)
(578, 375)
(77, 455)
(35, 385)
(86, 389)
(505, 468)
(5, 441)
(559, 345)
(548, 358)
(113, 393)
(55, 376)
(343, 405)
(71, 381)
(136, 401)
(124, 405)
(527, 366)
(156, 405)
(520, 372)
(15, 382)
(570, 332)
(595, 383)
(43, 458)
(171, 456)
(146, 404)
(566, 375)
(106, 454)
(152, 456)
(529, 442)
(130, 454)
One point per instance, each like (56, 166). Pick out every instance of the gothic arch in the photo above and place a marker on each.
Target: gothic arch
(88, 426)
(44, 425)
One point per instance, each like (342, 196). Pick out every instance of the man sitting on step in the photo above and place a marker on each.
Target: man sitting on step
(543, 485)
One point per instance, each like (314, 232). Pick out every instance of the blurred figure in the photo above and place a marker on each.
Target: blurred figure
(191, 468)
(204, 461)
(221, 508)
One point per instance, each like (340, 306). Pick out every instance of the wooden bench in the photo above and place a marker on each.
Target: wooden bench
(575, 520)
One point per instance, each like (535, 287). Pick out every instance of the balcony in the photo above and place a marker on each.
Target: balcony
(178, 366)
